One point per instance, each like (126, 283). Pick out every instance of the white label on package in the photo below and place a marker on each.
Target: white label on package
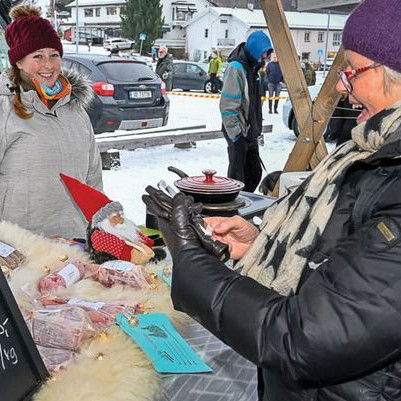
(118, 265)
(5, 250)
(70, 274)
(86, 304)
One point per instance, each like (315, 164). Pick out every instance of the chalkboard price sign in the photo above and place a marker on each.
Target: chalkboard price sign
(21, 368)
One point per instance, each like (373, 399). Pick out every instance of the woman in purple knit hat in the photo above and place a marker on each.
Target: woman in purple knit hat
(315, 297)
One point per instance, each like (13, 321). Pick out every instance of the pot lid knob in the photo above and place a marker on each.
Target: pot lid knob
(209, 176)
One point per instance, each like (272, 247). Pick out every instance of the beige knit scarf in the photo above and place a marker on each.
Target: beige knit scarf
(293, 225)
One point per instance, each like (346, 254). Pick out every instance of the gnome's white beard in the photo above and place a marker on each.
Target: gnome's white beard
(127, 231)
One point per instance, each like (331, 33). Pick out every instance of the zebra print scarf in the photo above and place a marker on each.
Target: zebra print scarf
(293, 225)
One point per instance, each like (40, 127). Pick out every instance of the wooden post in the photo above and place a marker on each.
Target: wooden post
(312, 118)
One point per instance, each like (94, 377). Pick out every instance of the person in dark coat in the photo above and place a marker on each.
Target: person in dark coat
(274, 80)
(315, 298)
(164, 67)
(241, 109)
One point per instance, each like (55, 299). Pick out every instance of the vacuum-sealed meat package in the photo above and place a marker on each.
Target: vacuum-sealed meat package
(61, 326)
(119, 272)
(64, 276)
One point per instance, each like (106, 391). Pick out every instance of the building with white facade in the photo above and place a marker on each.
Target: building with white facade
(223, 29)
(102, 18)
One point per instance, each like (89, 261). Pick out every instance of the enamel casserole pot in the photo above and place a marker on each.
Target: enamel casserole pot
(208, 188)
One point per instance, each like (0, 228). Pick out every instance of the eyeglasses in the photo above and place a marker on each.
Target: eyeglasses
(346, 76)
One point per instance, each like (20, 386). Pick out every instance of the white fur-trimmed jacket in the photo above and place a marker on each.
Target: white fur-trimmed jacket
(33, 152)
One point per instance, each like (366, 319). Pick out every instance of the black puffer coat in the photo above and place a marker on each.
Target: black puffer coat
(339, 337)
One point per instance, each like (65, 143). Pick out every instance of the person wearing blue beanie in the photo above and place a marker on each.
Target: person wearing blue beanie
(257, 44)
(241, 109)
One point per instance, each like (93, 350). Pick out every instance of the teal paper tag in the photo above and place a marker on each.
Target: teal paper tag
(164, 277)
(158, 338)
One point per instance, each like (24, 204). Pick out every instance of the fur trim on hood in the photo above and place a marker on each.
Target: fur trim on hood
(82, 93)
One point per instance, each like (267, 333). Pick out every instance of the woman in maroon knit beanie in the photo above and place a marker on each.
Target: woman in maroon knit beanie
(44, 130)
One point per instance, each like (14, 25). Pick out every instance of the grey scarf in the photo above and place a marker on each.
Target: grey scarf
(293, 225)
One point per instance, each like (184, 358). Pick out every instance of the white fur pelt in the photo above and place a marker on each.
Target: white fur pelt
(124, 373)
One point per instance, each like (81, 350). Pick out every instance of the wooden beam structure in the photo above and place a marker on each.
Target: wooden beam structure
(312, 118)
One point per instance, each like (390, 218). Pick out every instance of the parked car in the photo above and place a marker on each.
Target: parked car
(191, 76)
(129, 95)
(338, 127)
(121, 43)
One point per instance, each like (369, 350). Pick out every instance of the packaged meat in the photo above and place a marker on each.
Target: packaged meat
(10, 257)
(101, 314)
(61, 326)
(122, 273)
(64, 276)
(55, 359)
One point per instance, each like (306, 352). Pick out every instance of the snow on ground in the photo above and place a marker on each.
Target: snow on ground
(143, 167)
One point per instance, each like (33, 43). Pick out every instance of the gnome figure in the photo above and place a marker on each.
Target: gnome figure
(110, 234)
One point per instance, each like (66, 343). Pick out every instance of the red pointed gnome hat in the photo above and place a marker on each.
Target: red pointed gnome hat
(94, 204)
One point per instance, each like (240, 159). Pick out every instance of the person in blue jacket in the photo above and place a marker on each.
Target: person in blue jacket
(241, 109)
(274, 80)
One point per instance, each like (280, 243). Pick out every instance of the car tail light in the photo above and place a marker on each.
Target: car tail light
(163, 88)
(103, 88)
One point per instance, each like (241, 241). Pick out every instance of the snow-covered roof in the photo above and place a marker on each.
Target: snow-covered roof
(82, 3)
(296, 20)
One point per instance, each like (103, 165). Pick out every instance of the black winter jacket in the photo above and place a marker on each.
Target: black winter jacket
(339, 337)
(164, 69)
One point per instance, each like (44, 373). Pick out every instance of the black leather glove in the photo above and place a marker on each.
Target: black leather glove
(174, 223)
(181, 224)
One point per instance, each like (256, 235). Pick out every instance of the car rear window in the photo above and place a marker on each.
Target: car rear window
(124, 71)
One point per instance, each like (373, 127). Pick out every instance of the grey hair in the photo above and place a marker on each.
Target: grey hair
(391, 77)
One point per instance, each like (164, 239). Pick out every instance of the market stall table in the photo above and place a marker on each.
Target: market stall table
(233, 378)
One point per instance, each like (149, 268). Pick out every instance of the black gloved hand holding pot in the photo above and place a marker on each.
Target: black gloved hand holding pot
(180, 222)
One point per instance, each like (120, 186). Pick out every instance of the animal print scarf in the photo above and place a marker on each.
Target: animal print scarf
(292, 226)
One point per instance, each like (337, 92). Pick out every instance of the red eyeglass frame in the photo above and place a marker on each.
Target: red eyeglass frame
(345, 76)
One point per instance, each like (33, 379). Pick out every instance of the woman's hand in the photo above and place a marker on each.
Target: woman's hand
(235, 231)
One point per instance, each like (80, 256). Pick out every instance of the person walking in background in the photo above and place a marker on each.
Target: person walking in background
(44, 130)
(241, 109)
(164, 67)
(274, 79)
(310, 73)
(215, 65)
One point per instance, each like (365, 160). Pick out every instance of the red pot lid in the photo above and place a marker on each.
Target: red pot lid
(209, 183)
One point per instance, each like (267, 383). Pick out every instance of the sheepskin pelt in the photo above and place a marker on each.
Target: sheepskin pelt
(124, 373)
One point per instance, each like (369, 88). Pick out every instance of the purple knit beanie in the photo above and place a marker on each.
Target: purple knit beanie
(374, 31)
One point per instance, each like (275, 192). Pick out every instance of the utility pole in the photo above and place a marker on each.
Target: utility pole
(76, 27)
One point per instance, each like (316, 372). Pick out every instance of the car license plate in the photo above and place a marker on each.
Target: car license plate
(140, 94)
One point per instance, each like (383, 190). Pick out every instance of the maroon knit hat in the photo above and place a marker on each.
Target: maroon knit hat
(29, 32)
(374, 31)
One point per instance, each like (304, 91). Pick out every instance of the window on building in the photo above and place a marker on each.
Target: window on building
(305, 56)
(336, 39)
(111, 10)
(320, 37)
(223, 21)
(97, 12)
(206, 33)
(226, 34)
(307, 37)
(88, 12)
